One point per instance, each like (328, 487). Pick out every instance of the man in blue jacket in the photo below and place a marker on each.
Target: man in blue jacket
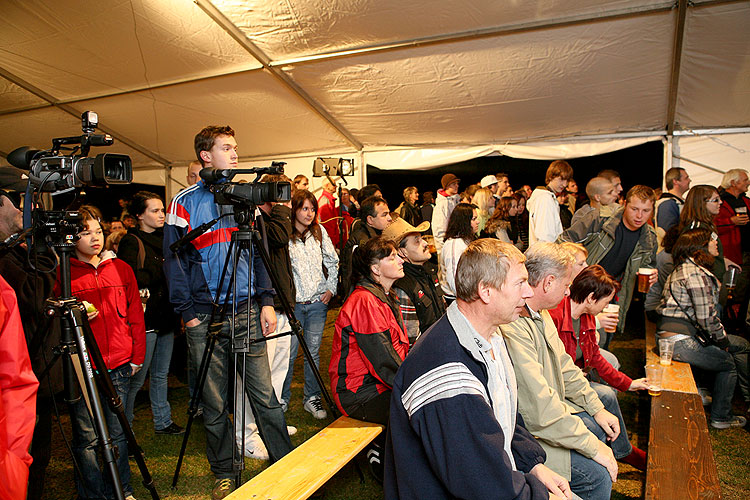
(193, 274)
(454, 429)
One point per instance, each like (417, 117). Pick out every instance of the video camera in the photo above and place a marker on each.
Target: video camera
(53, 171)
(249, 193)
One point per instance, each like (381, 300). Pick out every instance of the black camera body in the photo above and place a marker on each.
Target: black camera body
(246, 193)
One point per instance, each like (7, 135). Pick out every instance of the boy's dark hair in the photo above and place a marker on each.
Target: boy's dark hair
(367, 191)
(367, 207)
(204, 140)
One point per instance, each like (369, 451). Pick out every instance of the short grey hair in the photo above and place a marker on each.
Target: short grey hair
(545, 259)
(732, 176)
(487, 261)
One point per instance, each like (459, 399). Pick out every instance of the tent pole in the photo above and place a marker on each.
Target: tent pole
(679, 37)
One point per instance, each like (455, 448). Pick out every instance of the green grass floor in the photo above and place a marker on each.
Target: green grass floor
(732, 447)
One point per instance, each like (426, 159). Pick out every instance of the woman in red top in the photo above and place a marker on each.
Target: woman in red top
(370, 341)
(590, 292)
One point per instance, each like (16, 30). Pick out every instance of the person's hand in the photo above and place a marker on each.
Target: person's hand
(267, 320)
(609, 424)
(557, 485)
(653, 278)
(193, 323)
(134, 369)
(638, 385)
(326, 297)
(608, 320)
(739, 219)
(92, 315)
(605, 457)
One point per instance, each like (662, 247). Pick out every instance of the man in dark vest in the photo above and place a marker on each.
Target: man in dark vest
(419, 293)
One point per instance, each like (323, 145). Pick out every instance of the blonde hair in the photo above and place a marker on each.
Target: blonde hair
(574, 248)
(481, 199)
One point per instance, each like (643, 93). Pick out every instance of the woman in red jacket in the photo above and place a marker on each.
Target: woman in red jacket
(118, 327)
(370, 341)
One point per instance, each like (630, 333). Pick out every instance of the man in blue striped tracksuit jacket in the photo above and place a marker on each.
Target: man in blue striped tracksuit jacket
(454, 429)
(193, 274)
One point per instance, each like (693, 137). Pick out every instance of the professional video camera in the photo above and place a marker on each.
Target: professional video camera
(250, 193)
(54, 171)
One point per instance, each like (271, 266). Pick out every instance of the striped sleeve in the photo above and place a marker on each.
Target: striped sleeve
(443, 382)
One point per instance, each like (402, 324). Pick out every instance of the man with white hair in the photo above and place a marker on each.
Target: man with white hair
(454, 429)
(556, 402)
(734, 231)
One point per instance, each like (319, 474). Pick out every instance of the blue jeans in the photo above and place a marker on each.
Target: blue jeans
(588, 479)
(137, 380)
(266, 408)
(621, 446)
(94, 482)
(313, 320)
(730, 367)
(158, 386)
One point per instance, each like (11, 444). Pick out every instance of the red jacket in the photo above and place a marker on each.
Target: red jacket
(327, 215)
(119, 328)
(18, 387)
(729, 233)
(368, 346)
(592, 358)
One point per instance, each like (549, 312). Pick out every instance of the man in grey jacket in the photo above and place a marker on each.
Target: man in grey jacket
(621, 244)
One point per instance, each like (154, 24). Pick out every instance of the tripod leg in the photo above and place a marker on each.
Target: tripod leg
(113, 398)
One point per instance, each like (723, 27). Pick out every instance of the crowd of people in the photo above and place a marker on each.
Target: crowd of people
(474, 326)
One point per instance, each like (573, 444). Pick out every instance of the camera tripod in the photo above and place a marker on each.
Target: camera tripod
(240, 246)
(77, 338)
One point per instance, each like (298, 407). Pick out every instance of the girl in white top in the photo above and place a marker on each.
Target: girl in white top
(315, 268)
(462, 230)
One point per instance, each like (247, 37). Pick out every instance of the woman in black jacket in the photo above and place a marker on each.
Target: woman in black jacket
(141, 248)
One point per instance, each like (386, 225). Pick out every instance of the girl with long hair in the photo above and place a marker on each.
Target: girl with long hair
(521, 220)
(484, 202)
(501, 225)
(315, 269)
(462, 230)
(689, 313)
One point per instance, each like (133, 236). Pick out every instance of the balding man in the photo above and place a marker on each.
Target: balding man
(193, 172)
(557, 403)
(602, 197)
(454, 429)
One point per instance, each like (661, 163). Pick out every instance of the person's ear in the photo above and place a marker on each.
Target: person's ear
(590, 299)
(370, 220)
(205, 156)
(375, 270)
(484, 292)
(547, 282)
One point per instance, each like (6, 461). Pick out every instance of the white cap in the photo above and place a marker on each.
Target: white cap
(488, 180)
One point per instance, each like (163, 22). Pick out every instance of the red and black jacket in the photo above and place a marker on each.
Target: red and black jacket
(368, 346)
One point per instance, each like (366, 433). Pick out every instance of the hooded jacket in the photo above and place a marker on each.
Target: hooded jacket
(444, 206)
(119, 328)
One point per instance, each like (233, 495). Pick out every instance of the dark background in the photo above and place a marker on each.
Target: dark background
(637, 165)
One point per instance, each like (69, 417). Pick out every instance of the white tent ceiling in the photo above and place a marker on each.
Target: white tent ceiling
(301, 78)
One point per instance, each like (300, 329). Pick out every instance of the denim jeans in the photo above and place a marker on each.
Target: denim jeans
(730, 367)
(588, 479)
(313, 320)
(266, 408)
(621, 446)
(137, 380)
(95, 482)
(158, 386)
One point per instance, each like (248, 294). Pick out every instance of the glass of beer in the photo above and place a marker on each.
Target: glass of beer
(644, 279)
(654, 377)
(612, 309)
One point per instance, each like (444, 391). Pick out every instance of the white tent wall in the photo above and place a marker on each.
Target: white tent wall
(707, 157)
(435, 79)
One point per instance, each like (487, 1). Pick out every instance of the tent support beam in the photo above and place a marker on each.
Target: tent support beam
(233, 31)
(74, 112)
(679, 37)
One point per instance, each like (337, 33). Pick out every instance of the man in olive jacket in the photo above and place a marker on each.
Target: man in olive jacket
(621, 244)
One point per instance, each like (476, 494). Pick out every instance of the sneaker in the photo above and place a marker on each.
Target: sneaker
(314, 406)
(705, 396)
(376, 464)
(255, 448)
(222, 488)
(292, 430)
(735, 421)
(172, 429)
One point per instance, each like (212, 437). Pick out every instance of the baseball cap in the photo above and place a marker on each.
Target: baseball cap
(488, 180)
(399, 228)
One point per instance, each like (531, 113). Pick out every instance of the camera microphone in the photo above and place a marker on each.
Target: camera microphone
(212, 175)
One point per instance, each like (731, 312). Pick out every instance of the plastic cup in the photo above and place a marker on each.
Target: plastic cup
(611, 309)
(644, 279)
(654, 377)
(666, 350)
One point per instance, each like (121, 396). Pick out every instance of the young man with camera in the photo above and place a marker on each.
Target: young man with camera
(194, 273)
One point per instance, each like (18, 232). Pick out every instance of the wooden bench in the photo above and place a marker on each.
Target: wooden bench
(306, 468)
(680, 458)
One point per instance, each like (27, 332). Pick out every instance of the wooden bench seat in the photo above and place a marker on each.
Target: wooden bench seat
(306, 468)
(680, 457)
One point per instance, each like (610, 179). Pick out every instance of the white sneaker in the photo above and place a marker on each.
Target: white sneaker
(314, 406)
(255, 448)
(292, 430)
